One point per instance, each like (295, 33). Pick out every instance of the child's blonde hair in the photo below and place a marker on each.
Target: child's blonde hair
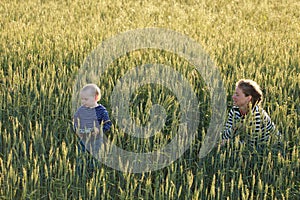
(94, 89)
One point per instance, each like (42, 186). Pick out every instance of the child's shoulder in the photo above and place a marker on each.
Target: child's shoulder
(100, 107)
(78, 110)
(82, 108)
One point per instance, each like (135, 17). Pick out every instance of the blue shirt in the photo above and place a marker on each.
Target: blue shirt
(85, 120)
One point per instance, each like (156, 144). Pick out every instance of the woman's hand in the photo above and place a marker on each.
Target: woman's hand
(223, 142)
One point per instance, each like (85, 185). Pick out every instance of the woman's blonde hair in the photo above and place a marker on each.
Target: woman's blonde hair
(94, 89)
(250, 87)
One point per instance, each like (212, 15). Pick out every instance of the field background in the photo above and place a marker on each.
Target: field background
(44, 43)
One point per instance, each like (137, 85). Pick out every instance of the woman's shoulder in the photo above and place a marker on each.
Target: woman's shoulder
(260, 112)
(258, 109)
(235, 109)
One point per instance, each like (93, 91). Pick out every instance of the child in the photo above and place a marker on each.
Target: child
(247, 117)
(89, 118)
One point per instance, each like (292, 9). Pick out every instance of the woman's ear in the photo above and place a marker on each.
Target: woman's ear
(249, 98)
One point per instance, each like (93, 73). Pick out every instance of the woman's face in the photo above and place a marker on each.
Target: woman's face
(240, 99)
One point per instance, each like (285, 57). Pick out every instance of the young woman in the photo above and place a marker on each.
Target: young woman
(246, 118)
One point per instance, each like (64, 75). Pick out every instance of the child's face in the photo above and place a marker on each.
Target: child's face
(88, 99)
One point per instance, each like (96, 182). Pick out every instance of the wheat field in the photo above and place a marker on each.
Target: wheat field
(43, 45)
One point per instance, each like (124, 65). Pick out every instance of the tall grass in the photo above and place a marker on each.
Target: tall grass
(44, 43)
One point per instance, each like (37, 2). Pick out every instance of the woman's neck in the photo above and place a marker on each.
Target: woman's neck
(243, 110)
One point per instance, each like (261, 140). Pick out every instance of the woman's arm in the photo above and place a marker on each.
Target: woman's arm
(227, 132)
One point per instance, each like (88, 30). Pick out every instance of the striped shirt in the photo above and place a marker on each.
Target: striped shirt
(85, 120)
(255, 126)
